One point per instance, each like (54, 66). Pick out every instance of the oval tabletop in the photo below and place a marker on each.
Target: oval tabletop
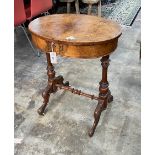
(75, 29)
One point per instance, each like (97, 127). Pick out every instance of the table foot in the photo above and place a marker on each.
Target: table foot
(42, 109)
(100, 107)
(97, 115)
(51, 88)
(45, 95)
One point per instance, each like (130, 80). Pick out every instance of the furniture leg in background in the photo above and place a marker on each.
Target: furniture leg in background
(90, 3)
(69, 5)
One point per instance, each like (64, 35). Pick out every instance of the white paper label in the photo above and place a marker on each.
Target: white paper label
(70, 38)
(53, 57)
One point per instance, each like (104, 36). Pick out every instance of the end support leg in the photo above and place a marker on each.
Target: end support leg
(49, 89)
(104, 94)
(97, 114)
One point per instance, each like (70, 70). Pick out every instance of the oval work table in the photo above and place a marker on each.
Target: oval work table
(76, 36)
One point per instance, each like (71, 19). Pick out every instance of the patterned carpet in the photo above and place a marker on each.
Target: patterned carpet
(122, 11)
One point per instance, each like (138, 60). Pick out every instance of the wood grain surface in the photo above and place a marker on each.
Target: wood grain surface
(81, 36)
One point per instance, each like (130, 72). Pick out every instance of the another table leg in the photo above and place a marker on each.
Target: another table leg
(77, 6)
(89, 8)
(104, 94)
(49, 89)
(99, 8)
(68, 7)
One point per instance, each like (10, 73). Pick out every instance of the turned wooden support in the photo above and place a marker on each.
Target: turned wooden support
(50, 69)
(76, 91)
(48, 90)
(104, 94)
(51, 87)
(103, 88)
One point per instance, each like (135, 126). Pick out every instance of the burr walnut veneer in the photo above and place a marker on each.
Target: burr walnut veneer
(76, 36)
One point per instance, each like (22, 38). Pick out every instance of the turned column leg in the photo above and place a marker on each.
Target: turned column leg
(49, 89)
(104, 94)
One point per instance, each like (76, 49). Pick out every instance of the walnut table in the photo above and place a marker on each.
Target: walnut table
(76, 36)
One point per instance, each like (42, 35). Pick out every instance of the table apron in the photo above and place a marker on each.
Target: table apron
(76, 51)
